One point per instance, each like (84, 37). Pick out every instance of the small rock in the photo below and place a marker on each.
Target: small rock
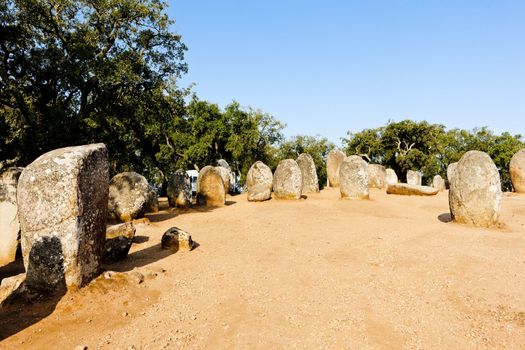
(177, 239)
(118, 242)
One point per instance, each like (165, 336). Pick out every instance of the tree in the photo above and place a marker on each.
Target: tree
(75, 72)
(318, 147)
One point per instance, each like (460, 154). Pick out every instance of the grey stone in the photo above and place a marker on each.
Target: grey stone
(307, 166)
(451, 169)
(210, 187)
(152, 205)
(177, 239)
(438, 183)
(411, 190)
(62, 206)
(9, 223)
(376, 176)
(333, 163)
(259, 182)
(287, 180)
(118, 242)
(231, 179)
(517, 171)
(414, 178)
(391, 177)
(354, 178)
(129, 196)
(225, 175)
(179, 190)
(475, 190)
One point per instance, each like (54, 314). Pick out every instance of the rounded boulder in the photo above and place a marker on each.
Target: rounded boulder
(354, 175)
(475, 190)
(287, 180)
(129, 196)
(259, 182)
(517, 171)
(210, 187)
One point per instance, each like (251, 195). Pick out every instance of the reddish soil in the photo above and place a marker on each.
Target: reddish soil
(320, 273)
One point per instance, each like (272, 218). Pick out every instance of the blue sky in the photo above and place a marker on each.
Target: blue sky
(328, 67)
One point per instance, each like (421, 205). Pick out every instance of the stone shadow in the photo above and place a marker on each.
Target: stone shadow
(37, 296)
(445, 217)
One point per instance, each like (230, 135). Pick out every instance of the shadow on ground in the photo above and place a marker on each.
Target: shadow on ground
(445, 217)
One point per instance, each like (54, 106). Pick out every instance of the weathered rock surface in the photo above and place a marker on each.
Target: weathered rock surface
(411, 190)
(179, 190)
(391, 177)
(517, 171)
(451, 170)
(224, 164)
(439, 183)
(376, 176)
(118, 242)
(9, 224)
(354, 177)
(129, 196)
(259, 182)
(333, 163)
(225, 175)
(152, 206)
(62, 206)
(475, 190)
(177, 239)
(287, 180)
(10, 285)
(210, 187)
(307, 166)
(414, 178)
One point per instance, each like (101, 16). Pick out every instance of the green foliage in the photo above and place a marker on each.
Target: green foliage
(318, 147)
(75, 72)
(429, 148)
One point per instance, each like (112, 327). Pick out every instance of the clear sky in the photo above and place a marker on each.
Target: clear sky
(327, 67)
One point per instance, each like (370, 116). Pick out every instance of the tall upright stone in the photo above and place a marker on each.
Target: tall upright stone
(9, 224)
(210, 187)
(310, 181)
(451, 170)
(376, 176)
(475, 190)
(259, 182)
(333, 163)
(391, 177)
(179, 189)
(231, 178)
(354, 175)
(225, 174)
(414, 177)
(287, 180)
(517, 171)
(438, 183)
(62, 205)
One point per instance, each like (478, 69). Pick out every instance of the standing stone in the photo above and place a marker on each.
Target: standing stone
(287, 180)
(118, 242)
(475, 190)
(391, 177)
(310, 181)
(333, 163)
(62, 205)
(231, 181)
(210, 187)
(152, 206)
(179, 189)
(9, 224)
(225, 175)
(414, 178)
(129, 196)
(376, 176)
(176, 239)
(517, 171)
(438, 183)
(259, 182)
(451, 169)
(354, 175)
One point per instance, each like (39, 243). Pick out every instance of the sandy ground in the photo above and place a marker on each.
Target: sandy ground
(320, 273)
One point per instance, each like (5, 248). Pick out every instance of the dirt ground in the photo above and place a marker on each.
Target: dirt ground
(320, 273)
